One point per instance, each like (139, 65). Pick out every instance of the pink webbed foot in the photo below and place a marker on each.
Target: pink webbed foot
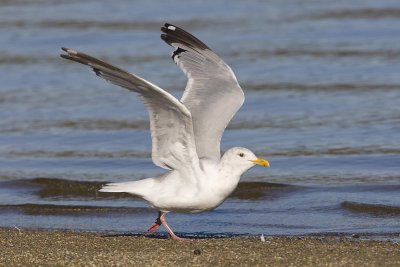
(154, 227)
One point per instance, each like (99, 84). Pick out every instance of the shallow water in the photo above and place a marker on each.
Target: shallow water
(322, 89)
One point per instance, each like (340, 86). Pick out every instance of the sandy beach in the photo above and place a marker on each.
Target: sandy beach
(63, 248)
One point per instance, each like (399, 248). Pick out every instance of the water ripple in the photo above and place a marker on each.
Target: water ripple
(70, 210)
(373, 209)
(359, 13)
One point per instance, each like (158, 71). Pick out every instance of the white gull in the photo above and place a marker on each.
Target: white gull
(186, 134)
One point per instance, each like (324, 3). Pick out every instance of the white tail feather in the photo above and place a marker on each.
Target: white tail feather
(114, 187)
(140, 187)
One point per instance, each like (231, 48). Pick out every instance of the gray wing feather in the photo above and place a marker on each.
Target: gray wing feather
(212, 93)
(173, 144)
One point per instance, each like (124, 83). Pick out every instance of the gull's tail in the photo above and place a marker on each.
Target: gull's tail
(139, 188)
(117, 187)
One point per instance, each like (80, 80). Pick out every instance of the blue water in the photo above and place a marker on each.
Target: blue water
(322, 89)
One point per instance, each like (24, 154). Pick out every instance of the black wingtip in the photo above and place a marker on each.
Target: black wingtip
(173, 34)
(168, 27)
(66, 56)
(177, 52)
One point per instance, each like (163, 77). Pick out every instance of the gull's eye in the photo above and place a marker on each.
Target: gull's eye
(241, 155)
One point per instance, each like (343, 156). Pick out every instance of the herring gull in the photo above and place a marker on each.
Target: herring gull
(185, 134)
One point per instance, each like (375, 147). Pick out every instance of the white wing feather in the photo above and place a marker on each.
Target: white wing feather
(212, 93)
(170, 121)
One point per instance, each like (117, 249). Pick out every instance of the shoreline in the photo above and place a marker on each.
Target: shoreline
(70, 248)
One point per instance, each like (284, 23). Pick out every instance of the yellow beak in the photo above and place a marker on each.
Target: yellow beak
(261, 162)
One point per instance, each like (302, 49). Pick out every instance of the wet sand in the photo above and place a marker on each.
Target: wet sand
(64, 248)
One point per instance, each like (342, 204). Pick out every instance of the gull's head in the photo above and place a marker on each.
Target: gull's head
(242, 159)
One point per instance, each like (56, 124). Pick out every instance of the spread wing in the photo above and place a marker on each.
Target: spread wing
(170, 121)
(212, 93)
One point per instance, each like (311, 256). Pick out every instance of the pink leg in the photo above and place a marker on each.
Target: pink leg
(170, 232)
(154, 227)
